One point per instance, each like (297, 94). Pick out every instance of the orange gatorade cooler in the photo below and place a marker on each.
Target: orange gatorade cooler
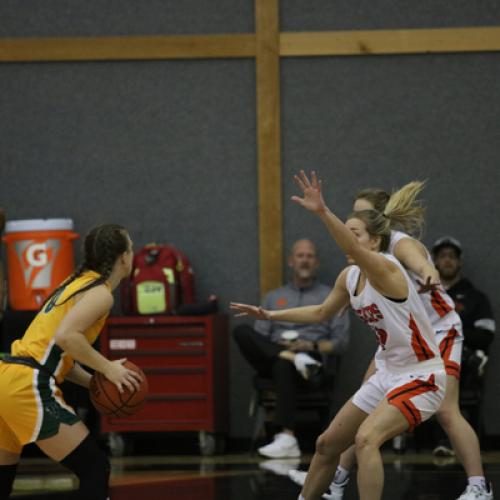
(39, 256)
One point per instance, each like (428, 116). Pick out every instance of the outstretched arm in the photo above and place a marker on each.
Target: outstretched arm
(413, 255)
(337, 299)
(382, 274)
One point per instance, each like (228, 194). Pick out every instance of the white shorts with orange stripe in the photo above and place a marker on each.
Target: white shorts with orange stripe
(417, 396)
(450, 343)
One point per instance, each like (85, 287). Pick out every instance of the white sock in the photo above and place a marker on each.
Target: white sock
(478, 481)
(301, 361)
(301, 497)
(341, 475)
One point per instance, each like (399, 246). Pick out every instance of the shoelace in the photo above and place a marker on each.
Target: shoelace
(475, 489)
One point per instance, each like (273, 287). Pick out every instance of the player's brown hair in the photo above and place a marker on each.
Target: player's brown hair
(403, 210)
(377, 197)
(102, 246)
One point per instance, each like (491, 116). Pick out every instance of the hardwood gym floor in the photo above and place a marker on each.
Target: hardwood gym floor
(411, 476)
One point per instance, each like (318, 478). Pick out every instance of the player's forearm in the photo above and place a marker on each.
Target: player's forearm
(76, 345)
(337, 229)
(412, 255)
(420, 266)
(79, 376)
(427, 270)
(306, 314)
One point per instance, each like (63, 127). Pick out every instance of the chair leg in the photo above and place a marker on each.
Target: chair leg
(258, 426)
(323, 417)
(254, 403)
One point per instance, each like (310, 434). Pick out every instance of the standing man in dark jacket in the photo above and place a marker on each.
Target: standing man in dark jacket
(471, 304)
(475, 311)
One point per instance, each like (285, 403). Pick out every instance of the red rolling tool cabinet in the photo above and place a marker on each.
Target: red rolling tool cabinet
(185, 359)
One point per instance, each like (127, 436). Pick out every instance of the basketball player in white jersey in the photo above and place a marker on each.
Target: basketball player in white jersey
(448, 329)
(409, 385)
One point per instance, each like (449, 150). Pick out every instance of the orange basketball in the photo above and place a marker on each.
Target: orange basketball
(109, 401)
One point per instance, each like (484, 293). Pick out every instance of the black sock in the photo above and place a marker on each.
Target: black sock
(92, 467)
(7, 476)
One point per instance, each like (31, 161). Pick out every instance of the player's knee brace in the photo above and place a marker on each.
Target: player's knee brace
(7, 476)
(92, 467)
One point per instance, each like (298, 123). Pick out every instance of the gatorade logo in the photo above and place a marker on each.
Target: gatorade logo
(36, 255)
(37, 259)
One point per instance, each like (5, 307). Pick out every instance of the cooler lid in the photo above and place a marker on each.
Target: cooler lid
(24, 225)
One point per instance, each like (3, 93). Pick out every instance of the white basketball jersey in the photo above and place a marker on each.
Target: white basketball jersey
(407, 342)
(439, 306)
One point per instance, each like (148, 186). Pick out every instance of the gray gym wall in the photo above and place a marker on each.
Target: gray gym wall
(168, 148)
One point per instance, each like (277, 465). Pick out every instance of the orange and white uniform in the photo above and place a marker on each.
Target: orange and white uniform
(31, 404)
(410, 372)
(440, 308)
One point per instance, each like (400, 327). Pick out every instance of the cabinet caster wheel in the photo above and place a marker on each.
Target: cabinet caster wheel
(116, 444)
(207, 443)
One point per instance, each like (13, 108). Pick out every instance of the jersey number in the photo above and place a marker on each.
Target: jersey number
(52, 302)
(381, 337)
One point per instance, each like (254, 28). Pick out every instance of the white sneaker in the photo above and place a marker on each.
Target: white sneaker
(336, 491)
(283, 445)
(399, 443)
(298, 476)
(280, 466)
(475, 492)
(306, 365)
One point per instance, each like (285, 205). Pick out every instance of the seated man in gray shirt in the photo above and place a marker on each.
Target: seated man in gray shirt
(291, 353)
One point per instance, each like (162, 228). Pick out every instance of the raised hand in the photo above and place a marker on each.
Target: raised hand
(312, 199)
(248, 310)
(432, 281)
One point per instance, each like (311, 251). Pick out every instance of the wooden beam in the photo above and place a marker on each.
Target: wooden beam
(411, 41)
(268, 144)
(126, 48)
(326, 43)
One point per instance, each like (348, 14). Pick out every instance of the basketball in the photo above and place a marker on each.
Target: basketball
(108, 400)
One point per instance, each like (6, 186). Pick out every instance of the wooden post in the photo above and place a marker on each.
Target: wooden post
(268, 144)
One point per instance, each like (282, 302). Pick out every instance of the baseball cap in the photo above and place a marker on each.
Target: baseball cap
(447, 241)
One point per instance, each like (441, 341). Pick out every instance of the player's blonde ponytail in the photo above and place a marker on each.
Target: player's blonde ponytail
(404, 211)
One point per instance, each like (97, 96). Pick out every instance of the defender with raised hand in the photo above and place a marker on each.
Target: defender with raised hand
(410, 386)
